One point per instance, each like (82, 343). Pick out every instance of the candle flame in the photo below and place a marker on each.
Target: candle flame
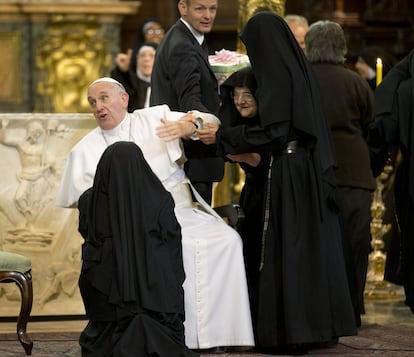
(379, 71)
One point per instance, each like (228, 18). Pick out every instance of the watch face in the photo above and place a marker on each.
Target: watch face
(199, 123)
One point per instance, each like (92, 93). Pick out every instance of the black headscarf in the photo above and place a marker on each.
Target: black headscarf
(129, 205)
(287, 90)
(228, 114)
(241, 78)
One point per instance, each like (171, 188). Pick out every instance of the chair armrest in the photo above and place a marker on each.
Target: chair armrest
(232, 213)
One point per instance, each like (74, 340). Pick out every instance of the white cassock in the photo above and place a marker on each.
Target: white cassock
(217, 311)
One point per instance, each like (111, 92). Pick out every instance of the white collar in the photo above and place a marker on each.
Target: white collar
(198, 36)
(144, 78)
(371, 73)
(121, 130)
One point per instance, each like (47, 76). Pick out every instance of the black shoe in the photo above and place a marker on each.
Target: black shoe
(294, 349)
(326, 344)
(212, 350)
(218, 350)
(238, 349)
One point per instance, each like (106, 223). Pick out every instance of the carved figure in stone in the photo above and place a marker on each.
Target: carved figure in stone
(62, 277)
(35, 178)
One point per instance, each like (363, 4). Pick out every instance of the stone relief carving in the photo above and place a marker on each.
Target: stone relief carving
(33, 148)
(36, 180)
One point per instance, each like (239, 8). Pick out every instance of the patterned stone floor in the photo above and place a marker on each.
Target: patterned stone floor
(387, 330)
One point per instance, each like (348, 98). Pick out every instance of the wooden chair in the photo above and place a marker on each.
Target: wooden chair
(15, 268)
(231, 213)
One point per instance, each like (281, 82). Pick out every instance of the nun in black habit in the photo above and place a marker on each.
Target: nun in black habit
(132, 270)
(136, 83)
(253, 191)
(303, 294)
(393, 127)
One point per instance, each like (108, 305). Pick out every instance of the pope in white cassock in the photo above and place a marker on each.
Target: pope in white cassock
(217, 311)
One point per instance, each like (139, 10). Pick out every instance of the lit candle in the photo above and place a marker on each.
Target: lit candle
(379, 71)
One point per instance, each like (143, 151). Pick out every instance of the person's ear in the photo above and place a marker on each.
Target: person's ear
(182, 8)
(125, 97)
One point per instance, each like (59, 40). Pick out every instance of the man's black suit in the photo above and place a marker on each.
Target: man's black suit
(183, 79)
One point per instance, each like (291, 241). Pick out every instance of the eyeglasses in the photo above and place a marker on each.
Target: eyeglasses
(154, 31)
(243, 96)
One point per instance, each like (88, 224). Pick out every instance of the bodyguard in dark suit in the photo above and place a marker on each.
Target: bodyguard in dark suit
(183, 79)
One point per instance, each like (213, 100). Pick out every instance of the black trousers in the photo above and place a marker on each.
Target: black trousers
(205, 189)
(355, 206)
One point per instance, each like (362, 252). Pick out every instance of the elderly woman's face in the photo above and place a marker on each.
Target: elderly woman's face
(145, 60)
(153, 32)
(245, 102)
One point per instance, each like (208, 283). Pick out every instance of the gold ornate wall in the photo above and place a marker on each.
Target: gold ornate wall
(10, 76)
(247, 8)
(52, 49)
(70, 53)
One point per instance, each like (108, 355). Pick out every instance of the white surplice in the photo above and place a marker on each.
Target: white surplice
(217, 311)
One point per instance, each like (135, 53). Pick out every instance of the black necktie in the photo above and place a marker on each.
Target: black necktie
(205, 47)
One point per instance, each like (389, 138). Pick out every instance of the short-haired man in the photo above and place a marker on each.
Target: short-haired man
(183, 79)
(299, 26)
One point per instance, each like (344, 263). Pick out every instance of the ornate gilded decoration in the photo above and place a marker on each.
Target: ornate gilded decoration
(10, 76)
(376, 286)
(70, 54)
(247, 8)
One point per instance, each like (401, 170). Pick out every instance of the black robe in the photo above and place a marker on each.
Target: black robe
(252, 194)
(136, 87)
(132, 270)
(393, 126)
(303, 289)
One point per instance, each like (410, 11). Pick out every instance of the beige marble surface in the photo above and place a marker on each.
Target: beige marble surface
(33, 149)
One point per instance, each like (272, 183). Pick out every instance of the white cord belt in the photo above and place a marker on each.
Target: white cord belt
(182, 195)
